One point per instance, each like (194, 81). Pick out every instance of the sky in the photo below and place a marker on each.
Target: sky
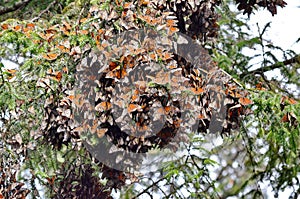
(285, 29)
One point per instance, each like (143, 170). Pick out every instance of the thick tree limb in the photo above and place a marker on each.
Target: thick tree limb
(292, 60)
(16, 6)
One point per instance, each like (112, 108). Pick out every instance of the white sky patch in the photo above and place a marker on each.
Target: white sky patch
(8, 64)
(284, 29)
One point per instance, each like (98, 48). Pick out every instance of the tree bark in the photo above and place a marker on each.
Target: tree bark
(295, 59)
(16, 6)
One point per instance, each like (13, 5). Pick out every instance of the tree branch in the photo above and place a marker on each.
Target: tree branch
(147, 189)
(44, 11)
(16, 6)
(292, 60)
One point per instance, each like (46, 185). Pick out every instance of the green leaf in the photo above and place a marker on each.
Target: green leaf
(210, 162)
(60, 157)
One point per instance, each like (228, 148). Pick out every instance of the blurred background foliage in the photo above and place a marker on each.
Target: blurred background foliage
(47, 39)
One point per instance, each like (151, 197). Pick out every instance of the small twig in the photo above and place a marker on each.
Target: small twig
(2, 78)
(79, 16)
(44, 11)
(176, 190)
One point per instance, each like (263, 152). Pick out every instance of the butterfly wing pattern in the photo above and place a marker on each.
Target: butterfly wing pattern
(130, 83)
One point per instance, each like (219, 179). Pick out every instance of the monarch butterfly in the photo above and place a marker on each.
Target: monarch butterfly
(67, 25)
(50, 56)
(56, 76)
(101, 132)
(29, 26)
(83, 20)
(4, 26)
(133, 107)
(245, 101)
(197, 91)
(172, 30)
(48, 36)
(83, 32)
(103, 106)
(17, 28)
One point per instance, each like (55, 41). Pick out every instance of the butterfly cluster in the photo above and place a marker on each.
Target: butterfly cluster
(135, 80)
(289, 117)
(58, 127)
(80, 178)
(146, 91)
(248, 6)
(129, 65)
(10, 187)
